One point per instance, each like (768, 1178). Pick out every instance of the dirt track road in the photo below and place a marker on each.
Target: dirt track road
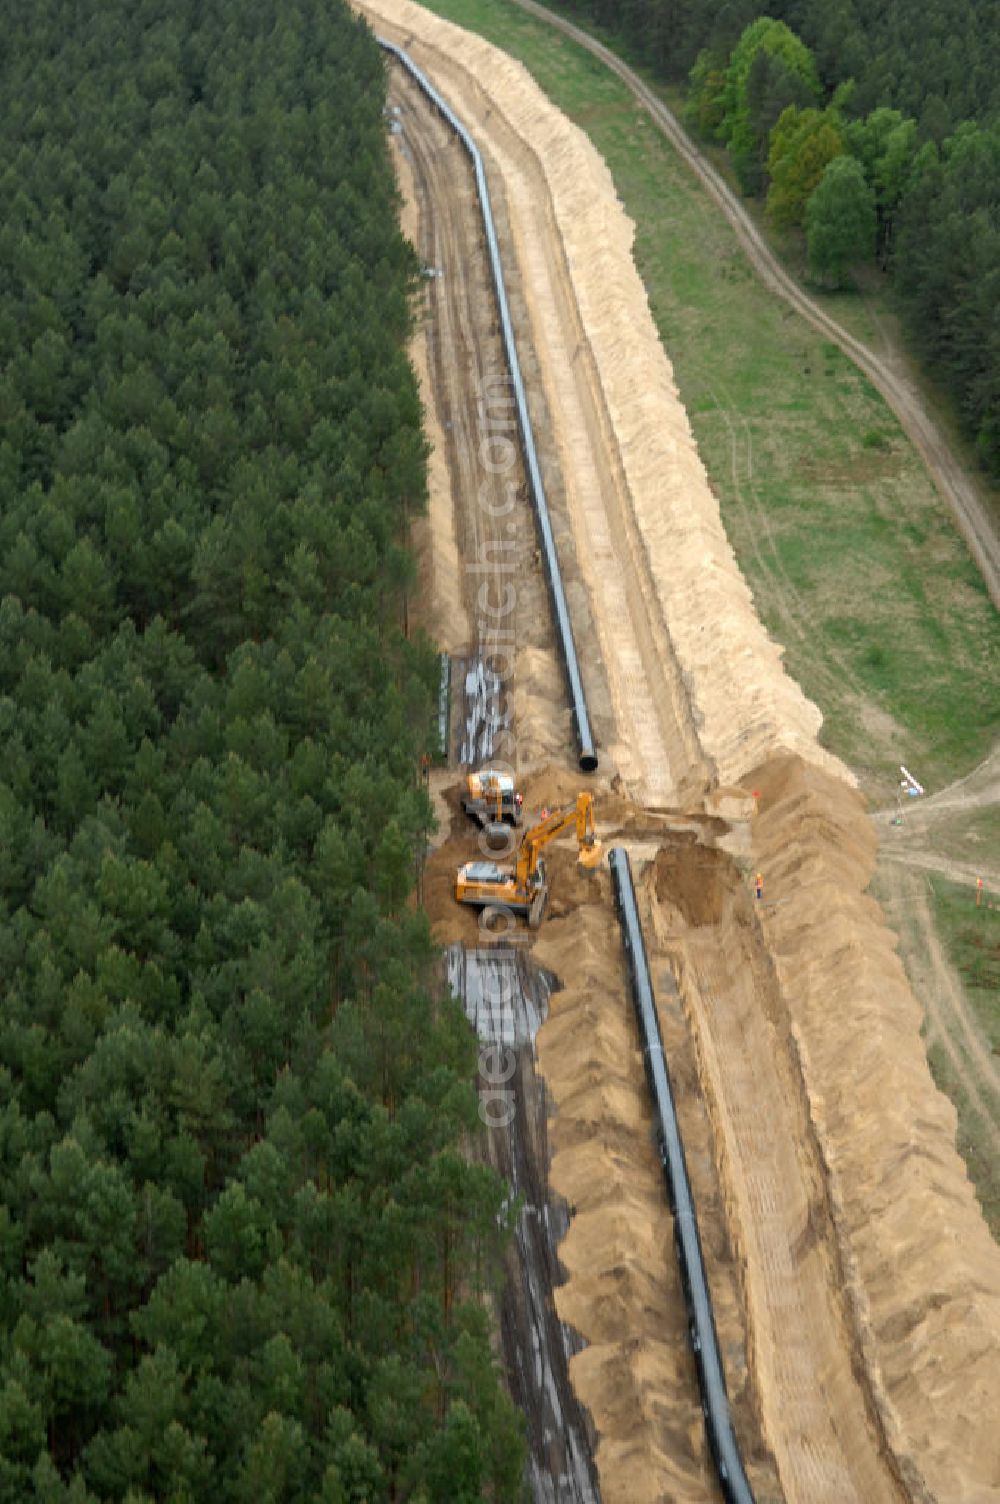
(955, 485)
(932, 830)
(976, 790)
(951, 1024)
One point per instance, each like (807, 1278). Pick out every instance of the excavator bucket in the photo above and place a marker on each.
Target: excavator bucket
(590, 856)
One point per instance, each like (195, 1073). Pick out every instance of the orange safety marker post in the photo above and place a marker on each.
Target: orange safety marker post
(979, 891)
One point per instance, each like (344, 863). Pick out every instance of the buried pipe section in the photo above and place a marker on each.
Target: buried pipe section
(701, 1321)
(587, 752)
(506, 1000)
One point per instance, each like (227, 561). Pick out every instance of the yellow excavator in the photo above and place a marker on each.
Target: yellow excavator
(523, 888)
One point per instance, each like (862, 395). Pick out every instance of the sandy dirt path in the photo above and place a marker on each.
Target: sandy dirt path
(908, 852)
(439, 604)
(961, 492)
(950, 1022)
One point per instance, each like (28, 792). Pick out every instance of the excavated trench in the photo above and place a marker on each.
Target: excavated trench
(854, 1322)
(505, 996)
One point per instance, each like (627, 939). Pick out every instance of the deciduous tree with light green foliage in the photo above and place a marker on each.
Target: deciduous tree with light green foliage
(755, 88)
(840, 222)
(802, 144)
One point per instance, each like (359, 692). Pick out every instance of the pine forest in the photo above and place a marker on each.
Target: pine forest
(244, 1253)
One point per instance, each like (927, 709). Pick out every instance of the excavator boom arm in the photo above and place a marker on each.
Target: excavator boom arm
(538, 837)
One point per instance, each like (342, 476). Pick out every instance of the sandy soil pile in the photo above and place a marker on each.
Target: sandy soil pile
(700, 920)
(635, 1376)
(922, 1274)
(542, 721)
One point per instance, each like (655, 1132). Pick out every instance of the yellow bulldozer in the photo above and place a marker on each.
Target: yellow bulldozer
(493, 800)
(523, 888)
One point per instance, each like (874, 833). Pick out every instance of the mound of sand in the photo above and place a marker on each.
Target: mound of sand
(635, 1376)
(922, 1273)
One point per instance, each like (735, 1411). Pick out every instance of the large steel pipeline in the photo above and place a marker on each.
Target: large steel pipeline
(701, 1322)
(564, 629)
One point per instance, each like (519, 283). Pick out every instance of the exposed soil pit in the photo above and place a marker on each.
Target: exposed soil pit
(693, 879)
